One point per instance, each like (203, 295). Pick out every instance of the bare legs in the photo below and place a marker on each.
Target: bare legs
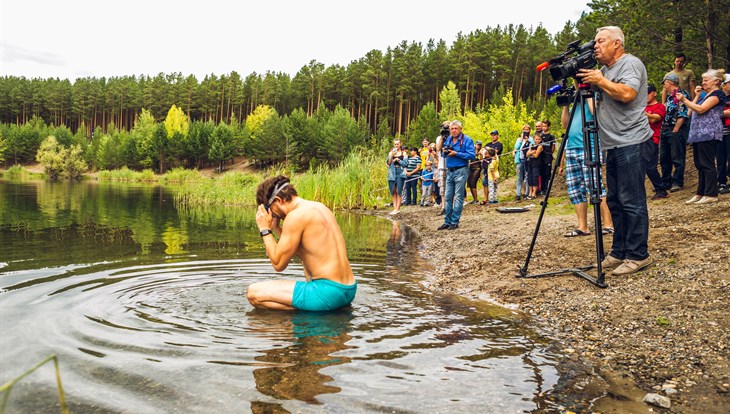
(272, 294)
(581, 210)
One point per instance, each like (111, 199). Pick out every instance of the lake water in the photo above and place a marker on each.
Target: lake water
(144, 304)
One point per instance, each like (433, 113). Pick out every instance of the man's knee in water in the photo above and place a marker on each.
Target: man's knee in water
(253, 294)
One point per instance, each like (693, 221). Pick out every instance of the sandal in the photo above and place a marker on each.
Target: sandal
(607, 230)
(576, 232)
(483, 203)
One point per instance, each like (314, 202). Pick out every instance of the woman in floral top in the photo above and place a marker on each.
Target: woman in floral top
(704, 133)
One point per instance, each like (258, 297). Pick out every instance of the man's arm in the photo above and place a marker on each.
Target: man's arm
(618, 91)
(282, 252)
(467, 151)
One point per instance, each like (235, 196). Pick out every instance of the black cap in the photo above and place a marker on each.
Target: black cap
(651, 88)
(495, 132)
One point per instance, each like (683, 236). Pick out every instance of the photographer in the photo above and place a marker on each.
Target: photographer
(458, 151)
(623, 128)
(441, 171)
(396, 174)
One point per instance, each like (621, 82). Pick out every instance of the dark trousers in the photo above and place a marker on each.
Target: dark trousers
(626, 199)
(650, 152)
(412, 190)
(723, 160)
(672, 153)
(704, 157)
(545, 170)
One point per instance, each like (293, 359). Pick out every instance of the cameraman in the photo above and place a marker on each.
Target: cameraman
(623, 128)
(458, 151)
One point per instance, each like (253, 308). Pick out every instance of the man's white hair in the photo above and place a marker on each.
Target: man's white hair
(616, 33)
(457, 123)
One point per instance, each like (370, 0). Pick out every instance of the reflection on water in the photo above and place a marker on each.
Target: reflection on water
(145, 305)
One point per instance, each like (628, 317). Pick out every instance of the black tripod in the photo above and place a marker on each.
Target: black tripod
(593, 162)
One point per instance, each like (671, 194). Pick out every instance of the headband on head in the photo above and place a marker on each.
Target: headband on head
(276, 192)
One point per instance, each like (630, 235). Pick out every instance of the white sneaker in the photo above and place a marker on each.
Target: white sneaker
(706, 200)
(694, 199)
(394, 212)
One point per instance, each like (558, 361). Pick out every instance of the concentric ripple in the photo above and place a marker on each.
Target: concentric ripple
(182, 337)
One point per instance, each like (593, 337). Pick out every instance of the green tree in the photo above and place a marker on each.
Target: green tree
(51, 155)
(425, 126)
(221, 145)
(450, 102)
(74, 164)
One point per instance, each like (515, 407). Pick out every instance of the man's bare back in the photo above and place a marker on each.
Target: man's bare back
(311, 232)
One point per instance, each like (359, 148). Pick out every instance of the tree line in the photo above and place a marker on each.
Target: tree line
(383, 93)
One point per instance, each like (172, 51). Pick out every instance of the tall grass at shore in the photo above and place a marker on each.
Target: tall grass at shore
(358, 182)
(17, 172)
(175, 176)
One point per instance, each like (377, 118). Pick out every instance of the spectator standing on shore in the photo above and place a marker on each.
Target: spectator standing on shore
(495, 143)
(686, 78)
(546, 169)
(672, 143)
(492, 175)
(520, 162)
(413, 172)
(705, 132)
(655, 112)
(426, 184)
(475, 170)
(441, 173)
(723, 148)
(396, 175)
(577, 174)
(535, 158)
(623, 128)
(458, 151)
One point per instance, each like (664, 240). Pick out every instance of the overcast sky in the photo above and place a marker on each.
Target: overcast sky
(78, 38)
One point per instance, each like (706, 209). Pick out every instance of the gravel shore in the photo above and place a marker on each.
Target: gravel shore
(664, 330)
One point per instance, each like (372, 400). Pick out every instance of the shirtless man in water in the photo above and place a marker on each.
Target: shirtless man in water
(311, 232)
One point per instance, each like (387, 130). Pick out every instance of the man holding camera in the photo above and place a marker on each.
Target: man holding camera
(623, 128)
(458, 150)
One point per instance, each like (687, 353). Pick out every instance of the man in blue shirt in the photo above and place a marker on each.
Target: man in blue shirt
(458, 150)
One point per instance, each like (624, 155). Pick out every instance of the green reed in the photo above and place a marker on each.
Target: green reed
(7, 387)
(17, 172)
(359, 181)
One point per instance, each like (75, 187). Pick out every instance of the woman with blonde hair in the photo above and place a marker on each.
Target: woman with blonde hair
(704, 133)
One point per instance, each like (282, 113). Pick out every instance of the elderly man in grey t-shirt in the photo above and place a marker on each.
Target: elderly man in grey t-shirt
(623, 127)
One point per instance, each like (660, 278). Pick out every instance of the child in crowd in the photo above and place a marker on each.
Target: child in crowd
(486, 160)
(427, 184)
(493, 175)
(535, 157)
(413, 172)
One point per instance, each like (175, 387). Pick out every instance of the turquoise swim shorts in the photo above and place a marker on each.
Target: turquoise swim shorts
(322, 295)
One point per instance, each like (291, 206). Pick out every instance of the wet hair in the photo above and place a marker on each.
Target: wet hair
(266, 189)
(681, 55)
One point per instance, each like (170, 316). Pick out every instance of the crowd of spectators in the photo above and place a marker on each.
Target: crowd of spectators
(639, 138)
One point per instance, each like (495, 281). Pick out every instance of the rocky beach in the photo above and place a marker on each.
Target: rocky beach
(662, 334)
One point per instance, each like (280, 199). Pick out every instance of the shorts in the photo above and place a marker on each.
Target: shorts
(322, 295)
(577, 176)
(396, 184)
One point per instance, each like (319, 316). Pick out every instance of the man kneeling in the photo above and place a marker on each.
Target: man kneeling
(311, 232)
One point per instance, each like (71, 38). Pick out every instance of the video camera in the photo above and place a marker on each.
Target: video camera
(445, 131)
(563, 66)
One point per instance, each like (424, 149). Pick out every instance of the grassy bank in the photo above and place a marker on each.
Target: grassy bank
(16, 172)
(358, 182)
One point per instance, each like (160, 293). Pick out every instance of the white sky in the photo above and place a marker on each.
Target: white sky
(78, 38)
